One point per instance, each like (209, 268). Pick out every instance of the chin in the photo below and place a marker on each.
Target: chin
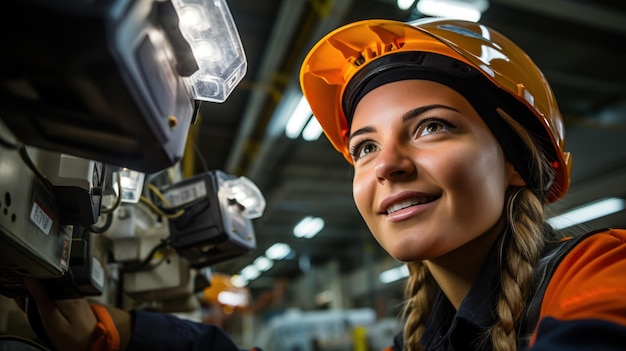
(404, 255)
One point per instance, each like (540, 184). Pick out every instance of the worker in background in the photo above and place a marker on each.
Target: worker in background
(457, 145)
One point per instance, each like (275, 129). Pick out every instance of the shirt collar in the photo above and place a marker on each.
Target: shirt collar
(446, 327)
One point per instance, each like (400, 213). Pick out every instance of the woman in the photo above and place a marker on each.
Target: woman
(457, 144)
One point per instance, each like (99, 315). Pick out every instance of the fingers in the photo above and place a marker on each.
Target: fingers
(47, 308)
(68, 323)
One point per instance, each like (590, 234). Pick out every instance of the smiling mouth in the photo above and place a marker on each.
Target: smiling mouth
(411, 202)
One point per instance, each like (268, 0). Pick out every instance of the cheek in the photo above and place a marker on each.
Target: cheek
(477, 178)
(360, 194)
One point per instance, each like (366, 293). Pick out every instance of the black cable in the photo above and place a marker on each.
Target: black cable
(146, 263)
(107, 224)
(33, 167)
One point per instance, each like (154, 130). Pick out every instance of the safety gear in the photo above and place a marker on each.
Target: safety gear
(346, 54)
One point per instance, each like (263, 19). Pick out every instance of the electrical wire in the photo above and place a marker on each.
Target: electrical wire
(23, 153)
(107, 224)
(160, 195)
(165, 212)
(147, 264)
(159, 211)
(118, 200)
(32, 166)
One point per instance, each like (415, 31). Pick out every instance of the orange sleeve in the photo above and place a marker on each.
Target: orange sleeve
(106, 336)
(590, 282)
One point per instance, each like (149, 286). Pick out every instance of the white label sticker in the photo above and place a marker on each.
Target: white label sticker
(41, 219)
(185, 194)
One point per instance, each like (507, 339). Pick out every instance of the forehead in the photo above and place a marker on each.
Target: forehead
(396, 98)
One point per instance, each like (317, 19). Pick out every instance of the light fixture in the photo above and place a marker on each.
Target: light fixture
(393, 274)
(308, 227)
(299, 117)
(246, 194)
(587, 213)
(131, 184)
(263, 263)
(278, 251)
(209, 28)
(312, 131)
(250, 272)
(470, 10)
(239, 281)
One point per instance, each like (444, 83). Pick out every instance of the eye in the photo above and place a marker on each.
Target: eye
(430, 126)
(362, 149)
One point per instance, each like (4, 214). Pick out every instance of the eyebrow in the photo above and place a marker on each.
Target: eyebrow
(409, 115)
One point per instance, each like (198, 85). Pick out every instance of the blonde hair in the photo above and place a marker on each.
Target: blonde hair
(520, 248)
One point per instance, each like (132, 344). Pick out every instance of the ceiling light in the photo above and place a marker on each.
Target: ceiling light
(587, 213)
(250, 272)
(391, 275)
(239, 281)
(312, 131)
(308, 227)
(278, 251)
(233, 298)
(470, 10)
(301, 115)
(404, 4)
(263, 263)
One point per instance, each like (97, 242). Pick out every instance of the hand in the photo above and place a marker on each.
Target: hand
(69, 324)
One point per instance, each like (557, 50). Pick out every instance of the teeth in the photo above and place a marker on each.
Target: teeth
(407, 203)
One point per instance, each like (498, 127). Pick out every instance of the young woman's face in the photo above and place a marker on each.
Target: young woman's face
(429, 175)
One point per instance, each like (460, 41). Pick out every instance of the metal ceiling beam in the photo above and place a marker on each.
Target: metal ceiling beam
(329, 20)
(590, 14)
(276, 49)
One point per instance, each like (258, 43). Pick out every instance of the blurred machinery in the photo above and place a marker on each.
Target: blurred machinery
(96, 100)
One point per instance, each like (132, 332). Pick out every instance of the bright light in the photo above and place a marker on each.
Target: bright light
(278, 251)
(193, 17)
(207, 50)
(231, 298)
(239, 281)
(246, 193)
(263, 263)
(469, 10)
(308, 227)
(250, 272)
(131, 183)
(312, 131)
(300, 116)
(391, 275)
(404, 4)
(222, 64)
(587, 213)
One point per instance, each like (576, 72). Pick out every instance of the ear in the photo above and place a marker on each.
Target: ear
(514, 178)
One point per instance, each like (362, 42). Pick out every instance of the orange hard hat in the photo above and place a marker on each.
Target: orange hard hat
(356, 52)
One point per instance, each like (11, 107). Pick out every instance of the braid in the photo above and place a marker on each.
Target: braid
(519, 253)
(420, 291)
(521, 246)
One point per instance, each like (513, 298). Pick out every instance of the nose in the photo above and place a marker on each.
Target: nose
(393, 164)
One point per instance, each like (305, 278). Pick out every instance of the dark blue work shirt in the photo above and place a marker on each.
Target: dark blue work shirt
(448, 329)
(164, 332)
